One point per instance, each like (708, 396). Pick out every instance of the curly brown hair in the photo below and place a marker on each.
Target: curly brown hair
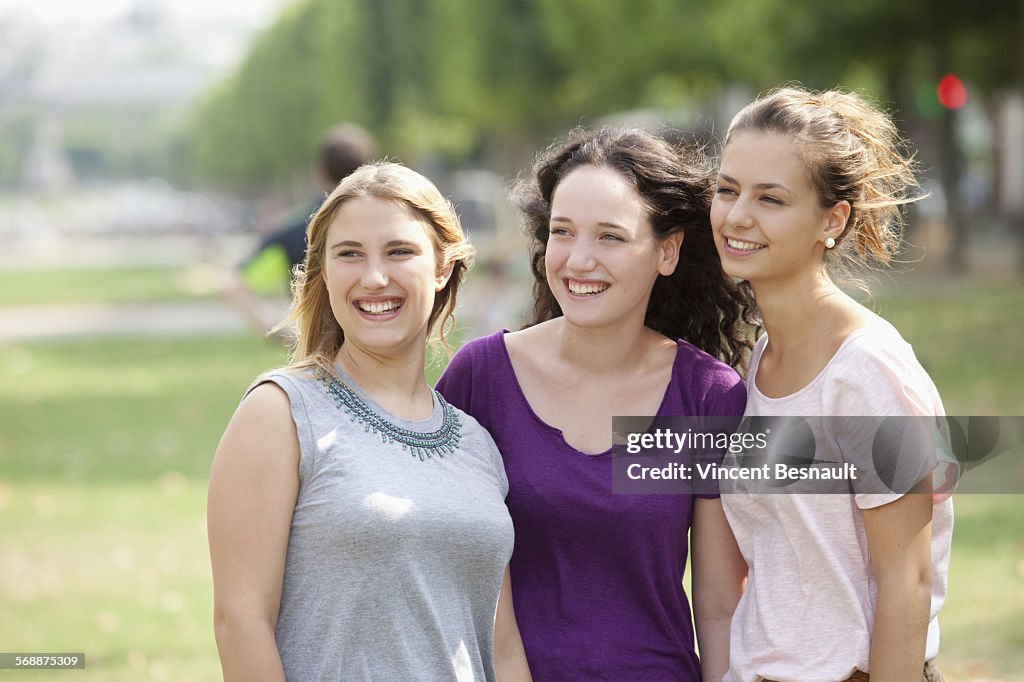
(698, 302)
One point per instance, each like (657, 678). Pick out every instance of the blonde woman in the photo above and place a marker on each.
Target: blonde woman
(357, 522)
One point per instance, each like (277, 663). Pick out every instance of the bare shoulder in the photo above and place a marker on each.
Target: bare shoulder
(526, 345)
(531, 337)
(266, 400)
(853, 316)
(659, 348)
(531, 353)
(262, 429)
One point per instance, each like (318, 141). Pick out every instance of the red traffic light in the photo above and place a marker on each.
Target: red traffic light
(951, 92)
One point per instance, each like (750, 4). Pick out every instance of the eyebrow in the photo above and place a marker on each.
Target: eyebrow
(355, 244)
(603, 223)
(760, 185)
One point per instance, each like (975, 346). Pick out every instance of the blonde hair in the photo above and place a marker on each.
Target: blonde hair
(853, 152)
(318, 336)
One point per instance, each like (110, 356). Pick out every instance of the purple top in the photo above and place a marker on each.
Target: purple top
(597, 578)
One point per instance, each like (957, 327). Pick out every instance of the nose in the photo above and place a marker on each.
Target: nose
(739, 215)
(374, 275)
(581, 257)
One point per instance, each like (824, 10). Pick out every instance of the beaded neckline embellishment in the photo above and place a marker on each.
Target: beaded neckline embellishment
(441, 442)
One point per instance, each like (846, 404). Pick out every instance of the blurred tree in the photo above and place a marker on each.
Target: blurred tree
(916, 43)
(898, 50)
(16, 131)
(259, 126)
(459, 78)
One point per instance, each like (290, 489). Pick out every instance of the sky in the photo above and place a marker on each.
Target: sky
(256, 13)
(57, 11)
(85, 51)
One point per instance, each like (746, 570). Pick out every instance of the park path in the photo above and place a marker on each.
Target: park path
(149, 319)
(216, 317)
(89, 320)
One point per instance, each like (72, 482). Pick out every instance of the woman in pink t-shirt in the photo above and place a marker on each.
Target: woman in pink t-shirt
(838, 585)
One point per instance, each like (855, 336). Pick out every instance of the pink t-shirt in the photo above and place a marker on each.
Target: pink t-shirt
(808, 608)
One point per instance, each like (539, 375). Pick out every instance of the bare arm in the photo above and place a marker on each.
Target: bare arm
(259, 314)
(253, 488)
(509, 657)
(899, 541)
(718, 574)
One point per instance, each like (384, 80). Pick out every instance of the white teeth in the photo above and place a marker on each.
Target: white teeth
(744, 246)
(581, 289)
(378, 307)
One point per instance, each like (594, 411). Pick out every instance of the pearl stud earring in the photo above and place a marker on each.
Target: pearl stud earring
(830, 243)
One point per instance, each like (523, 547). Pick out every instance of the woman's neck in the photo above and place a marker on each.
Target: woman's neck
(396, 382)
(800, 311)
(601, 351)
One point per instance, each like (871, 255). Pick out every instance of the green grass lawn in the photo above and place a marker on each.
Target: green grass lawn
(105, 285)
(122, 409)
(105, 448)
(118, 570)
(968, 336)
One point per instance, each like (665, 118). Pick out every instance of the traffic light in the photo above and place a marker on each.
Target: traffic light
(951, 92)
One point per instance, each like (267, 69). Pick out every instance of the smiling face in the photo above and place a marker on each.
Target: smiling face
(767, 219)
(602, 256)
(381, 273)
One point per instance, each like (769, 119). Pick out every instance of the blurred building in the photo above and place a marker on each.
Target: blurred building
(92, 90)
(92, 97)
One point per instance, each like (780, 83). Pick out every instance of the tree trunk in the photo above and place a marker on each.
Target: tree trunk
(949, 151)
(1019, 218)
(950, 166)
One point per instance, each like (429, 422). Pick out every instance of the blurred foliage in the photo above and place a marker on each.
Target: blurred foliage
(104, 142)
(458, 79)
(16, 128)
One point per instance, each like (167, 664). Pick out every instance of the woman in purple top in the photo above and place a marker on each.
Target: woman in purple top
(631, 308)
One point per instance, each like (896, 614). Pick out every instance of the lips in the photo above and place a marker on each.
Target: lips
(580, 288)
(380, 307)
(741, 245)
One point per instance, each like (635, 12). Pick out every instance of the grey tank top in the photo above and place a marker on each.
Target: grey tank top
(394, 562)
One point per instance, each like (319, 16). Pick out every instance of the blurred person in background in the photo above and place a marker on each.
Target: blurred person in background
(268, 269)
(493, 299)
(631, 313)
(357, 523)
(840, 586)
